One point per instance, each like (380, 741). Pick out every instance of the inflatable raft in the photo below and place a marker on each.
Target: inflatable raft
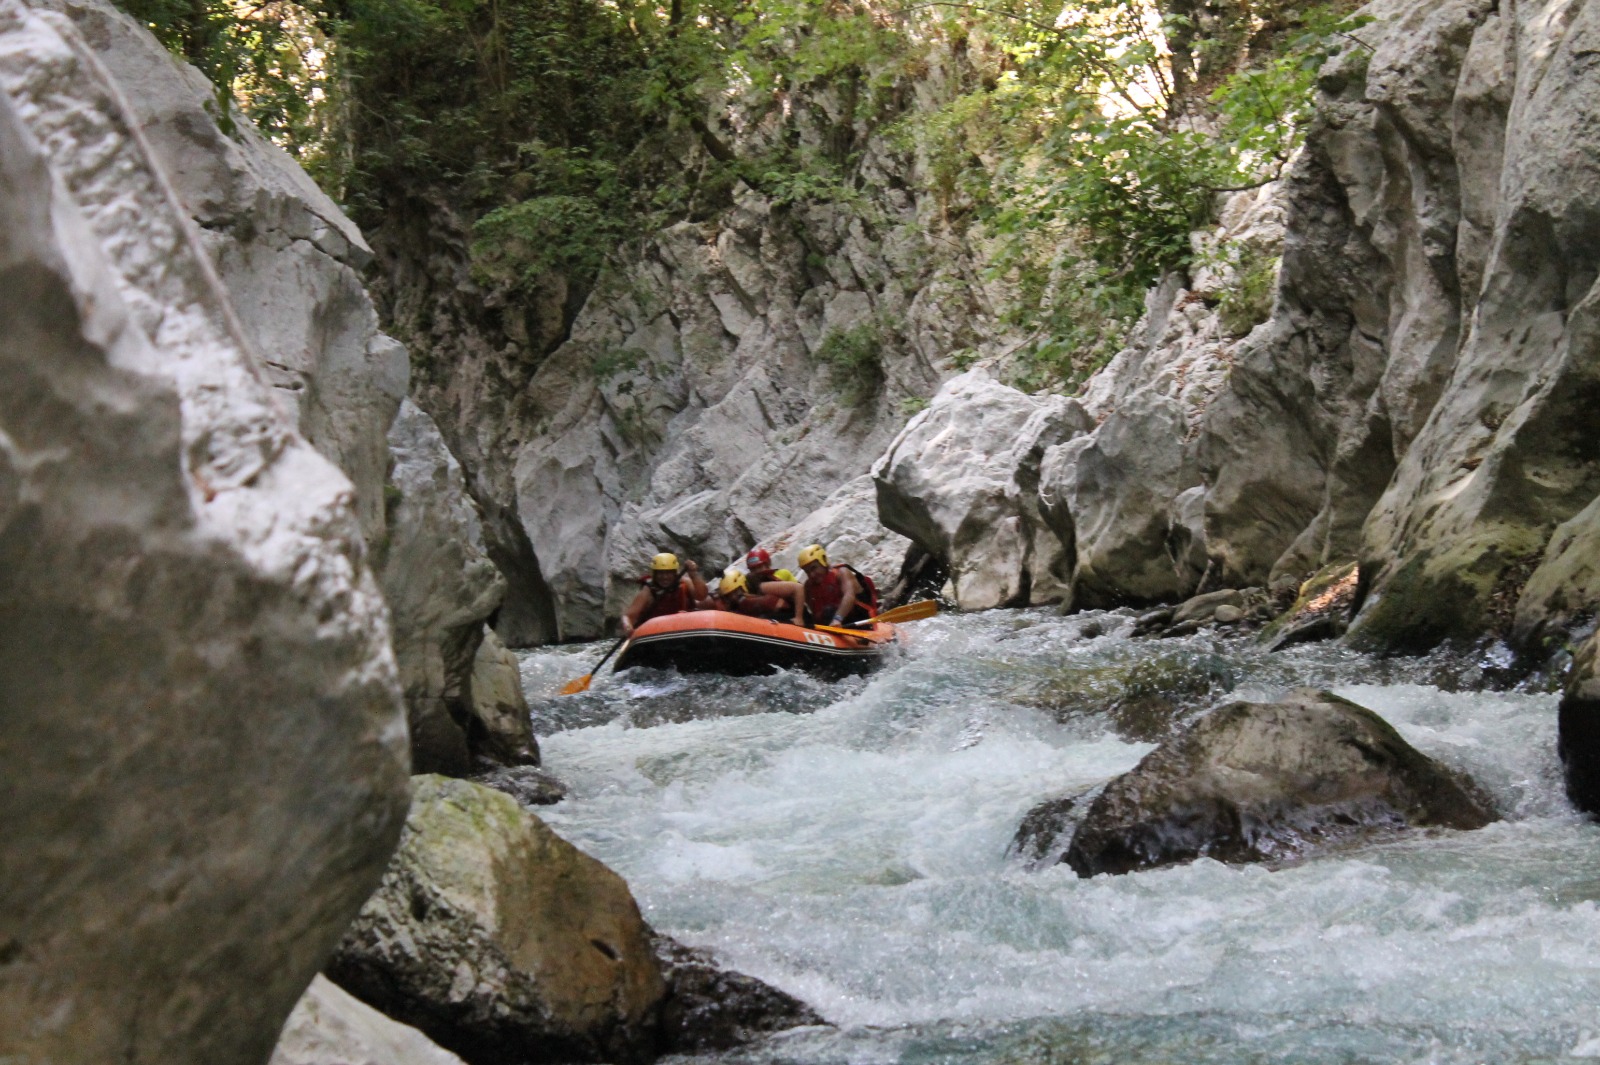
(719, 641)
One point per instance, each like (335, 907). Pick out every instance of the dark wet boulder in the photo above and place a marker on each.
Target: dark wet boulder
(1579, 729)
(709, 1008)
(1046, 830)
(1256, 782)
(529, 785)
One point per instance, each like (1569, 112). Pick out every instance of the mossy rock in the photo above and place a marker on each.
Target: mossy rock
(1144, 698)
(1330, 590)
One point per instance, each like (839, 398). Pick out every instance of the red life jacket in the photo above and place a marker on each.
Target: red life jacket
(673, 600)
(825, 592)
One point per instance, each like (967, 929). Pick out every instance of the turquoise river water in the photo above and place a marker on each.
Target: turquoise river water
(847, 842)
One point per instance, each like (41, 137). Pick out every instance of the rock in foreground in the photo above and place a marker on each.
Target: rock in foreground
(501, 941)
(1579, 736)
(709, 1008)
(1256, 782)
(330, 1027)
(203, 750)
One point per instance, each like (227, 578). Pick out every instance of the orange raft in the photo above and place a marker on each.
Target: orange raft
(719, 641)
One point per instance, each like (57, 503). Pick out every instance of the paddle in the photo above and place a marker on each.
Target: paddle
(923, 608)
(583, 682)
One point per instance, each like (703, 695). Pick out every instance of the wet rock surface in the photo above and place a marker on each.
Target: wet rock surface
(1254, 782)
(709, 1008)
(501, 941)
(1579, 729)
(1144, 698)
(527, 784)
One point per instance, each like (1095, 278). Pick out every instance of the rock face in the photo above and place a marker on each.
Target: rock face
(962, 481)
(1579, 723)
(440, 585)
(1269, 781)
(714, 395)
(501, 941)
(204, 750)
(1508, 451)
(287, 255)
(291, 263)
(331, 1027)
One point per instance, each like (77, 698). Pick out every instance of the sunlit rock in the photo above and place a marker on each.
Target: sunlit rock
(1253, 782)
(501, 941)
(962, 482)
(203, 746)
(329, 1026)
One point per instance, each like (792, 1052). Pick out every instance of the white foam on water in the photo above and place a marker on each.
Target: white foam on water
(856, 857)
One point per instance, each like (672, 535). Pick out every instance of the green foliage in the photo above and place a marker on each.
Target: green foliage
(854, 358)
(1248, 301)
(1080, 144)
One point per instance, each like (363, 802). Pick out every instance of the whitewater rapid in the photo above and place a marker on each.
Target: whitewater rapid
(847, 842)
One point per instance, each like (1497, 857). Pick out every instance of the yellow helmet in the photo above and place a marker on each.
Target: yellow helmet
(811, 554)
(664, 561)
(783, 575)
(733, 581)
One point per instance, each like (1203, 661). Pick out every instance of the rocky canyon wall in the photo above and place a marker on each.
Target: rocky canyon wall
(204, 749)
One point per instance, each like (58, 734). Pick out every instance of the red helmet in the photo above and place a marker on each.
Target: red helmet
(758, 559)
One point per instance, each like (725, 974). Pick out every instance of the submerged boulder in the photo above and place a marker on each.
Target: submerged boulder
(1256, 782)
(501, 941)
(1142, 698)
(329, 1026)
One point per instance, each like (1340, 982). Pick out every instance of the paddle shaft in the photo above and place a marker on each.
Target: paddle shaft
(582, 683)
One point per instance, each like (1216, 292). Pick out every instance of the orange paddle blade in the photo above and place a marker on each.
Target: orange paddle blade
(579, 685)
(924, 608)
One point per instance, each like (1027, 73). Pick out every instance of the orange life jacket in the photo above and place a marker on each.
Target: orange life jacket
(665, 601)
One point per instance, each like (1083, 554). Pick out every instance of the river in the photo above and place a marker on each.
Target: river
(847, 842)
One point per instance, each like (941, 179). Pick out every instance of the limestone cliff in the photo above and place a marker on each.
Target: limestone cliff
(204, 750)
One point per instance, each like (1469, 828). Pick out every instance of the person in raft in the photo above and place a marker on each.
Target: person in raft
(836, 595)
(778, 600)
(665, 592)
(758, 563)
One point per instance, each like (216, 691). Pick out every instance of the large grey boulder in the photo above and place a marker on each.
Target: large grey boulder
(501, 941)
(962, 482)
(329, 1026)
(441, 586)
(848, 527)
(287, 255)
(204, 748)
(1112, 494)
(291, 262)
(1254, 782)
